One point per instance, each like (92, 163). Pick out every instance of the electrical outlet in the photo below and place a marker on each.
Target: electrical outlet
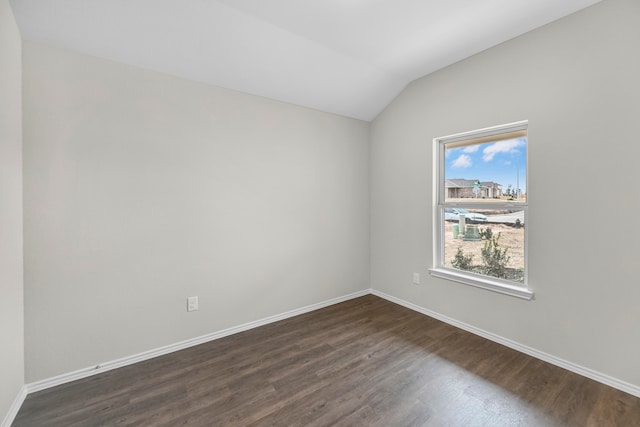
(416, 278)
(192, 303)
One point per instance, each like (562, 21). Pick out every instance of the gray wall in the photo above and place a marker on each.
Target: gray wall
(142, 189)
(577, 82)
(11, 291)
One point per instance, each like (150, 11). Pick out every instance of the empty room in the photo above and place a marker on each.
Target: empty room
(319, 213)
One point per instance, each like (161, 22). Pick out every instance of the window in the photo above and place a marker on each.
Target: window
(481, 202)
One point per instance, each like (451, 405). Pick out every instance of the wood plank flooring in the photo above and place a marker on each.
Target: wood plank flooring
(364, 362)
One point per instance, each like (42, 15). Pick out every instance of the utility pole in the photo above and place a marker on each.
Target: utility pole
(517, 182)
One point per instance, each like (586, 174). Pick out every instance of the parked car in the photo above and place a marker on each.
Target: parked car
(453, 214)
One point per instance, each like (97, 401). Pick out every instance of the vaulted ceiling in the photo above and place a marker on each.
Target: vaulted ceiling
(349, 57)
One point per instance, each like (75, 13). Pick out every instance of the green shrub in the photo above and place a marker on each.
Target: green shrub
(485, 234)
(495, 260)
(462, 261)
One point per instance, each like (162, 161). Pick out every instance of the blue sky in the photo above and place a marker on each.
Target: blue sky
(500, 162)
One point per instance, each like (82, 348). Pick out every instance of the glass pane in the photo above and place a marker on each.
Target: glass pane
(486, 172)
(488, 242)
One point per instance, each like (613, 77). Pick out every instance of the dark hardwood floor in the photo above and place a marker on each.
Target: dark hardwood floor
(365, 362)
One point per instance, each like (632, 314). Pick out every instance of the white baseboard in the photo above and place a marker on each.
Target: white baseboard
(15, 407)
(107, 366)
(129, 360)
(580, 370)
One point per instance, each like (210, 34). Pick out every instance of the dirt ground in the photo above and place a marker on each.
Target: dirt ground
(512, 238)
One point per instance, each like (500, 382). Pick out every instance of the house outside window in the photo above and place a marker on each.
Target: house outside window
(481, 202)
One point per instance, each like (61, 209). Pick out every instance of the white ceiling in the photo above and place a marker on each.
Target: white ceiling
(349, 57)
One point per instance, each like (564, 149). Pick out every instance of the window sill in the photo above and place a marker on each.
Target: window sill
(484, 283)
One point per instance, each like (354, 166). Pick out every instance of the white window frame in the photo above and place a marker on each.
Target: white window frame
(439, 203)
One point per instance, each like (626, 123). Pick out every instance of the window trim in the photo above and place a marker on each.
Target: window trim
(439, 195)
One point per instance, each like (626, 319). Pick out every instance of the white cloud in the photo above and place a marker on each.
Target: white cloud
(471, 148)
(508, 146)
(463, 161)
